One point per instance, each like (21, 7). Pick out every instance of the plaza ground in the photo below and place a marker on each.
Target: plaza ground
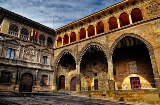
(57, 99)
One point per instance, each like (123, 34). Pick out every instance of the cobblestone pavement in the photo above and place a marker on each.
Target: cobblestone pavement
(56, 100)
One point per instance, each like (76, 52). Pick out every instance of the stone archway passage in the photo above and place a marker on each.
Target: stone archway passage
(26, 83)
(73, 84)
(62, 82)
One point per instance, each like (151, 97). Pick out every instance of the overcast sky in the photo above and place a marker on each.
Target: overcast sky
(61, 11)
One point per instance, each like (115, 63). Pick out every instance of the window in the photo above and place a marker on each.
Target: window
(45, 80)
(10, 53)
(13, 30)
(44, 59)
(95, 74)
(5, 77)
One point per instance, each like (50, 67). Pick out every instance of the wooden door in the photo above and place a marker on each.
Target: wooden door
(62, 82)
(26, 83)
(73, 84)
(95, 84)
(135, 83)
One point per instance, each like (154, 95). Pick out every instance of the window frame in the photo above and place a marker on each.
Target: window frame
(8, 76)
(10, 53)
(44, 60)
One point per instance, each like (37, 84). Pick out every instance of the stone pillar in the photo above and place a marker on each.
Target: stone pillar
(78, 85)
(19, 33)
(111, 81)
(130, 19)
(77, 37)
(118, 22)
(29, 36)
(62, 42)
(16, 87)
(56, 44)
(95, 28)
(35, 87)
(86, 33)
(54, 86)
(69, 39)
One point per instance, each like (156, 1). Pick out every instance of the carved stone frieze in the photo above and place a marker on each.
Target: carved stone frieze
(30, 54)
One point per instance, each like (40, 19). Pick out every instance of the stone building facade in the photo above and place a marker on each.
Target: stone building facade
(26, 53)
(113, 53)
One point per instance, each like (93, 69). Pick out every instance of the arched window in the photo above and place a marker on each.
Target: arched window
(82, 33)
(13, 30)
(65, 39)
(136, 15)
(112, 23)
(24, 34)
(100, 27)
(59, 41)
(124, 19)
(50, 42)
(91, 31)
(73, 37)
(42, 39)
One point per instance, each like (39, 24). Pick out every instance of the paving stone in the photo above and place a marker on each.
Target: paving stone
(57, 100)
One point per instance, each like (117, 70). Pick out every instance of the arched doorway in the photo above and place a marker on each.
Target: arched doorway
(26, 83)
(73, 84)
(93, 68)
(66, 65)
(132, 64)
(62, 82)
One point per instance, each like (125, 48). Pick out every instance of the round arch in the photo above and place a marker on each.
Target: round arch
(84, 49)
(59, 41)
(148, 46)
(124, 19)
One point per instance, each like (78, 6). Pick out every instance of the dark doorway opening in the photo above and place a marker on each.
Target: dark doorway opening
(135, 83)
(73, 84)
(26, 83)
(95, 84)
(62, 82)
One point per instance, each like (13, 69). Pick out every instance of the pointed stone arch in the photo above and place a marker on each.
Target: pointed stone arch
(84, 49)
(148, 46)
(61, 54)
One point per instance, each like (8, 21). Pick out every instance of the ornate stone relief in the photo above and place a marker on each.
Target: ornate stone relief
(132, 67)
(153, 8)
(30, 53)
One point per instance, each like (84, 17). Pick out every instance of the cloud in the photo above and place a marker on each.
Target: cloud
(55, 12)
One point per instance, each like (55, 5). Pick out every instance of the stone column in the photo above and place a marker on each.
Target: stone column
(77, 36)
(78, 85)
(111, 81)
(35, 87)
(19, 33)
(118, 22)
(69, 39)
(54, 87)
(86, 33)
(95, 28)
(55, 44)
(62, 42)
(16, 87)
(130, 19)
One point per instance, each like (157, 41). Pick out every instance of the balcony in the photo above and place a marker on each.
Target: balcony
(23, 63)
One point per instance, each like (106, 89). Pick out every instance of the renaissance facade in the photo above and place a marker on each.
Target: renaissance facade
(113, 53)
